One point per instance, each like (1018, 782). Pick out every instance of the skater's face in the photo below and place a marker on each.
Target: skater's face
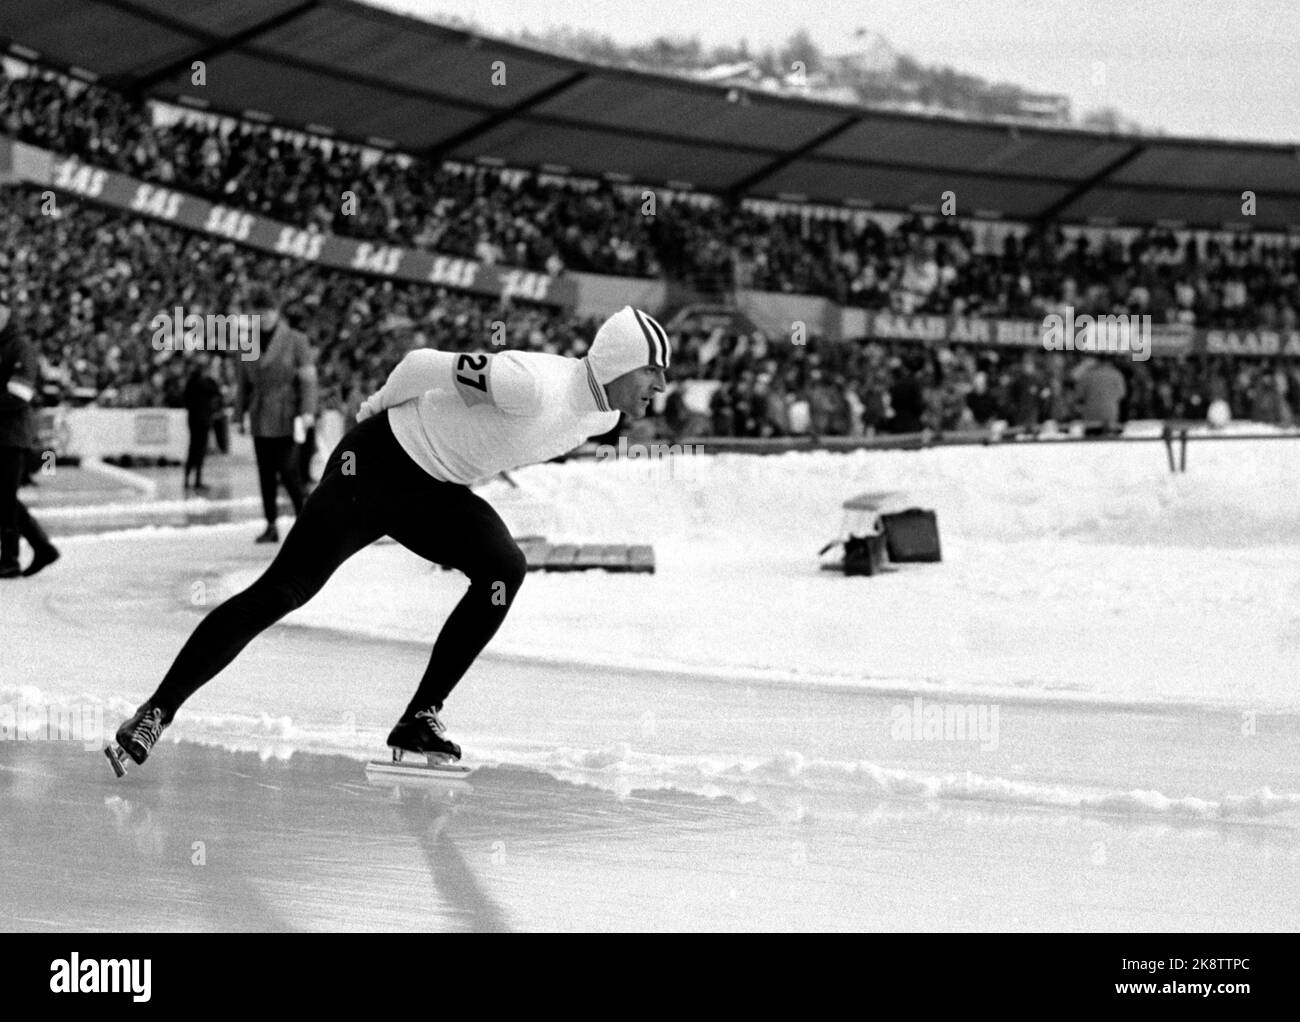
(632, 392)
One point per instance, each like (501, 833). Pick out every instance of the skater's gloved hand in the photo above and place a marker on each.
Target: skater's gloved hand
(370, 406)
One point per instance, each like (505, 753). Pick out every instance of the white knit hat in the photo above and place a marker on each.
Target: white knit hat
(628, 340)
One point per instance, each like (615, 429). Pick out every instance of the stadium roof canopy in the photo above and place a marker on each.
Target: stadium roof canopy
(355, 72)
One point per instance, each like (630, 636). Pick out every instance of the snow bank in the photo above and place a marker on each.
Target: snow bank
(1084, 571)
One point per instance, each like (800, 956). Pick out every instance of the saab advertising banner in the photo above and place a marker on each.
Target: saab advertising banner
(1166, 339)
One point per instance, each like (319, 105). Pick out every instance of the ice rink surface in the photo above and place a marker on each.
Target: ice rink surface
(634, 774)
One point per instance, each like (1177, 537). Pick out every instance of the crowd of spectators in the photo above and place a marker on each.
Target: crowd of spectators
(86, 283)
(869, 388)
(924, 264)
(494, 215)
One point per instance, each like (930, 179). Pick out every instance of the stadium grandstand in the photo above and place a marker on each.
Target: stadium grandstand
(827, 270)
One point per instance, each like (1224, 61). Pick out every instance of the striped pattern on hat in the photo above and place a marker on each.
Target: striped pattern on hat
(629, 340)
(656, 339)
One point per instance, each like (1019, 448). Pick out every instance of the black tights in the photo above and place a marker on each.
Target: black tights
(277, 462)
(370, 488)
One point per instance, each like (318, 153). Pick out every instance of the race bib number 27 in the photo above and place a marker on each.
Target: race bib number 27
(473, 377)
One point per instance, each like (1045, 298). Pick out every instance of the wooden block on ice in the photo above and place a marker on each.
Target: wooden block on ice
(561, 557)
(641, 558)
(614, 558)
(620, 557)
(601, 556)
(536, 550)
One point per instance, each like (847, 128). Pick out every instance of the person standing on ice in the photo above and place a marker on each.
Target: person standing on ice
(442, 423)
(277, 393)
(19, 372)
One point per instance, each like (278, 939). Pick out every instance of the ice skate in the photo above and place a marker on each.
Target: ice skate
(136, 738)
(422, 734)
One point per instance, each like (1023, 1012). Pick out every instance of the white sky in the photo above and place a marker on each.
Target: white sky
(1225, 69)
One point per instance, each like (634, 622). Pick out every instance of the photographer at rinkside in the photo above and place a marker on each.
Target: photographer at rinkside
(18, 381)
(275, 389)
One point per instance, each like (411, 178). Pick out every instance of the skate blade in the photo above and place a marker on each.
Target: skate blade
(435, 765)
(117, 759)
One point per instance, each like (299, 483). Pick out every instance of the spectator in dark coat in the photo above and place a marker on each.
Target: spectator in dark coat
(276, 389)
(1026, 394)
(908, 401)
(221, 418)
(202, 397)
(721, 412)
(18, 384)
(980, 402)
(677, 416)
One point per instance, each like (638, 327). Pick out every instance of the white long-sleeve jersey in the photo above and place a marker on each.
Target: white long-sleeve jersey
(463, 418)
